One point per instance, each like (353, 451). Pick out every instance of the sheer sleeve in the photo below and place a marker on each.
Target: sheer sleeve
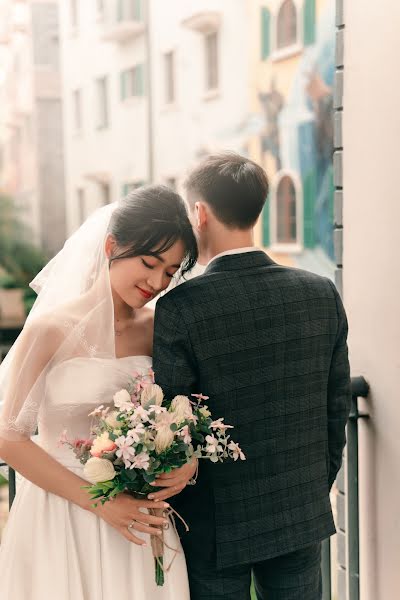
(22, 379)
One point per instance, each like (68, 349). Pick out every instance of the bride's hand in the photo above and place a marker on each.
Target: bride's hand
(124, 511)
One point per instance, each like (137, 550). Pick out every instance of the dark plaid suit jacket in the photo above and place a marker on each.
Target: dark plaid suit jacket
(267, 343)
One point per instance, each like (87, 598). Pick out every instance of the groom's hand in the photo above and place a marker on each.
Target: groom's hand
(174, 482)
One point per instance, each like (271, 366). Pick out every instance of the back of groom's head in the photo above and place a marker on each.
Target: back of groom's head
(234, 187)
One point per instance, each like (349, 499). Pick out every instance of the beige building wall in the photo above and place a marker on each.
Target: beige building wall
(371, 134)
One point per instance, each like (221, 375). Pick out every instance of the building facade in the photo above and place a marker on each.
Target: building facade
(154, 91)
(31, 137)
(292, 63)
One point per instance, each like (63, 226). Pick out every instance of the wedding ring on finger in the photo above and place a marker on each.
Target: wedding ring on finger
(131, 525)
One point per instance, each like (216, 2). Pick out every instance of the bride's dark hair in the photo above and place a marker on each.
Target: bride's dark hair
(149, 221)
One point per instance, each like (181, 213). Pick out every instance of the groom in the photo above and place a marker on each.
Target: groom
(267, 344)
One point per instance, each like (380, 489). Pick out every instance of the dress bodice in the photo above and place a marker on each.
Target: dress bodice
(74, 388)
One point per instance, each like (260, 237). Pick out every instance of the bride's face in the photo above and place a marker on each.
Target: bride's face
(139, 279)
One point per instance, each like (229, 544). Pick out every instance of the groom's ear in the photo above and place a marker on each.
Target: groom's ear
(201, 215)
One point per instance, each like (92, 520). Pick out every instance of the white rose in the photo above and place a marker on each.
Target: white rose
(111, 420)
(97, 470)
(122, 400)
(181, 409)
(152, 394)
(164, 436)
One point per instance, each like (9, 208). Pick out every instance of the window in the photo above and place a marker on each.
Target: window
(265, 33)
(129, 10)
(286, 211)
(169, 62)
(132, 82)
(80, 193)
(309, 22)
(130, 186)
(102, 102)
(73, 8)
(77, 110)
(287, 25)
(211, 60)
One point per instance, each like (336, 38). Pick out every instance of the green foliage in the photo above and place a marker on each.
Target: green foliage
(8, 282)
(19, 258)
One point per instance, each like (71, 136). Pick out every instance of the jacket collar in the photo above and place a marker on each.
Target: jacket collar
(236, 262)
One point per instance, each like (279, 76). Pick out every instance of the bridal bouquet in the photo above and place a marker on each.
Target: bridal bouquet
(145, 435)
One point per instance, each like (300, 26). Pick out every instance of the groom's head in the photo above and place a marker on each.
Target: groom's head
(226, 194)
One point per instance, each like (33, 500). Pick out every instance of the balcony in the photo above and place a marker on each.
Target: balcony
(123, 20)
(203, 22)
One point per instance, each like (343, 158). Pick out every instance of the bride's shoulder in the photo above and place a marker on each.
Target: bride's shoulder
(49, 327)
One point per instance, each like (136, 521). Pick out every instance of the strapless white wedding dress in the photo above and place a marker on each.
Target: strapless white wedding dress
(55, 550)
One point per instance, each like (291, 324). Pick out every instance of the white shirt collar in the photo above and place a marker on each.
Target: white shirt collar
(235, 251)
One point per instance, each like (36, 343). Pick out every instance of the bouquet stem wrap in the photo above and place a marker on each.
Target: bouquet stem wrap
(157, 546)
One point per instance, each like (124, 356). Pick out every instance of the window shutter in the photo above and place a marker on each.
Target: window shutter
(309, 22)
(309, 194)
(266, 223)
(265, 33)
(137, 10)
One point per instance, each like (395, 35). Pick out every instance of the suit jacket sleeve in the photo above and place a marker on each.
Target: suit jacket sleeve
(339, 393)
(173, 359)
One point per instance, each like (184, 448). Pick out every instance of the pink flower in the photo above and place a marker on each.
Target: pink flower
(200, 397)
(125, 450)
(102, 444)
(139, 414)
(136, 432)
(151, 375)
(212, 445)
(185, 434)
(236, 451)
(78, 443)
(219, 424)
(141, 461)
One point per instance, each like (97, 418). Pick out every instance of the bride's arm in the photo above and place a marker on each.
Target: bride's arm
(33, 463)
(44, 471)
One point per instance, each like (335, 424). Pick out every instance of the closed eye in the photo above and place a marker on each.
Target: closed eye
(147, 264)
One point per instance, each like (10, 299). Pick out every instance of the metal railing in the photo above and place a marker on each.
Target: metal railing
(359, 389)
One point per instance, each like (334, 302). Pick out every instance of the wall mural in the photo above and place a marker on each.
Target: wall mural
(296, 140)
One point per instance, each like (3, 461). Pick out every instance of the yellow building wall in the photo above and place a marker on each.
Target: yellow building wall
(281, 71)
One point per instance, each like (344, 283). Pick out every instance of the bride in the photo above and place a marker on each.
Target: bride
(88, 331)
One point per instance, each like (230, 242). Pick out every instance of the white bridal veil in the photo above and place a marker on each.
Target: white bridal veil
(72, 317)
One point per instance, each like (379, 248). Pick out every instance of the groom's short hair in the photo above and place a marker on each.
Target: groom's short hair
(235, 188)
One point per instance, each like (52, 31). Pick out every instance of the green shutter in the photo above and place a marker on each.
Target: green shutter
(265, 224)
(120, 10)
(309, 22)
(137, 10)
(309, 194)
(265, 33)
